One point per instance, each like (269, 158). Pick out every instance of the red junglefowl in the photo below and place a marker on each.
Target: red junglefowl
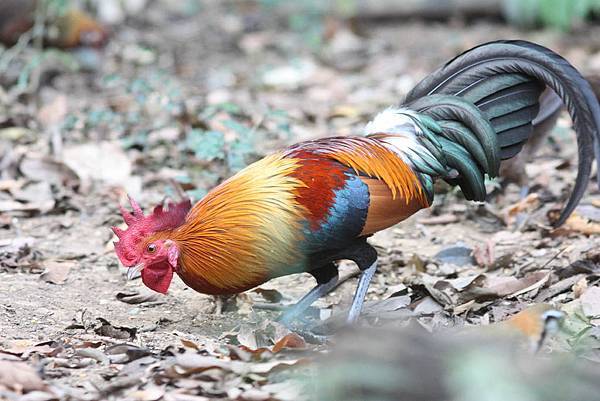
(316, 202)
(74, 28)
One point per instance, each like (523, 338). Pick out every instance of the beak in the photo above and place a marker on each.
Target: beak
(134, 271)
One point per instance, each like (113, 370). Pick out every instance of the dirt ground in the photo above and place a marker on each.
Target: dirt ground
(65, 302)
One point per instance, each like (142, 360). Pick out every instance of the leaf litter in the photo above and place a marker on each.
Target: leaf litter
(74, 329)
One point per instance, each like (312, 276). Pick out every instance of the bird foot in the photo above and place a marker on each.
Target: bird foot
(222, 303)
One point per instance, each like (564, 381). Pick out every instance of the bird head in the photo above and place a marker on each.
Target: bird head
(141, 247)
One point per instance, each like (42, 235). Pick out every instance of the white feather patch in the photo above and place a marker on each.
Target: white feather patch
(392, 120)
(405, 133)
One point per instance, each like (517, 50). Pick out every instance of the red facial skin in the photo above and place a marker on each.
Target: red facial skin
(160, 261)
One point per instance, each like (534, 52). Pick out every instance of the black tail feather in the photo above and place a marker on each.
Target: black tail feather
(505, 80)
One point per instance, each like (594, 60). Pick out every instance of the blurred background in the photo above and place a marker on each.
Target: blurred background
(194, 90)
(154, 98)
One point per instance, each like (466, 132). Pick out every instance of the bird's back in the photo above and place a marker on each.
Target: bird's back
(354, 187)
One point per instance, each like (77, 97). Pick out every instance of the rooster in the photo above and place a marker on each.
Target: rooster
(74, 28)
(306, 207)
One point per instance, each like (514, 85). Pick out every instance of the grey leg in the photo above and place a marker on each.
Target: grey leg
(361, 292)
(299, 308)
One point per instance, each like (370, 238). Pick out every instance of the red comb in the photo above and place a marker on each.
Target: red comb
(140, 226)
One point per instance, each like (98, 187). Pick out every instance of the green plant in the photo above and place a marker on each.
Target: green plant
(557, 14)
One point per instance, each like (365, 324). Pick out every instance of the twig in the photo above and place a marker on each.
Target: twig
(39, 24)
(11, 53)
(269, 306)
(556, 256)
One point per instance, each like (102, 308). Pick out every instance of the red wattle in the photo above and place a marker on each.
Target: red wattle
(158, 277)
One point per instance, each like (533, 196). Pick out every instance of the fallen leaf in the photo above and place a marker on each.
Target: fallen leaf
(14, 206)
(92, 353)
(484, 254)
(459, 255)
(104, 161)
(119, 332)
(526, 205)
(590, 302)
(392, 304)
(24, 348)
(189, 344)
(136, 297)
(427, 306)
(125, 353)
(46, 169)
(578, 224)
(188, 363)
(291, 340)
(512, 286)
(56, 272)
(38, 194)
(19, 377)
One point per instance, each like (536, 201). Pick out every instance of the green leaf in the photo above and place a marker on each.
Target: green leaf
(206, 145)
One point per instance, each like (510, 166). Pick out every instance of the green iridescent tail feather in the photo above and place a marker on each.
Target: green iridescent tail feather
(480, 107)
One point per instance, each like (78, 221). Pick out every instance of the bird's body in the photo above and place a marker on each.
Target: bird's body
(316, 202)
(281, 213)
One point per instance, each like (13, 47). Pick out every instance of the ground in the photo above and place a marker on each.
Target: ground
(191, 98)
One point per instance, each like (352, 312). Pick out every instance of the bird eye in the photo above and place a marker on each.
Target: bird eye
(151, 248)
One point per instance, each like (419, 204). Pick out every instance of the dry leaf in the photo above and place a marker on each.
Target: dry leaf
(526, 205)
(46, 169)
(580, 287)
(291, 340)
(590, 302)
(484, 254)
(578, 224)
(119, 332)
(458, 255)
(104, 161)
(136, 297)
(56, 272)
(19, 377)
